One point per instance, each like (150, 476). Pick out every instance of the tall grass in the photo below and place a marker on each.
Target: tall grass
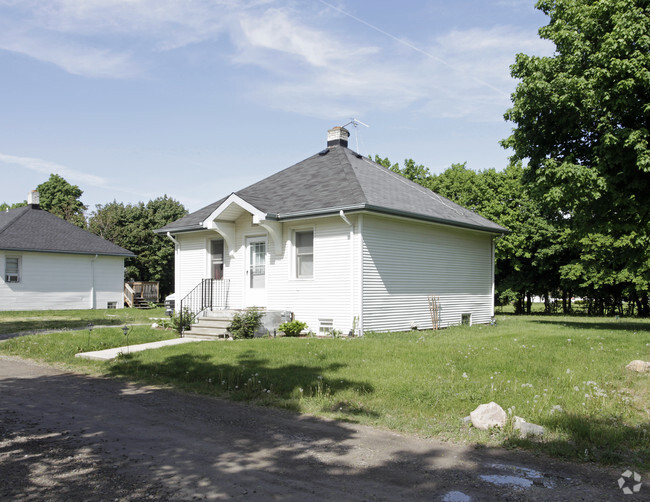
(566, 374)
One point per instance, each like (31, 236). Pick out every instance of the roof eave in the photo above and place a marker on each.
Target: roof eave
(423, 217)
(60, 251)
(389, 211)
(178, 230)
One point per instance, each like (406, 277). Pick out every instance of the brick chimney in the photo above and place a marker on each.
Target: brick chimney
(33, 199)
(337, 136)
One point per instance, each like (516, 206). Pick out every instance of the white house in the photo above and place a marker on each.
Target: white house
(344, 244)
(47, 263)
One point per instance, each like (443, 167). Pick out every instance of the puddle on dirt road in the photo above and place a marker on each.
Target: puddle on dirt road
(456, 497)
(521, 477)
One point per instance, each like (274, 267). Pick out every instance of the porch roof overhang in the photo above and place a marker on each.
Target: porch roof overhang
(222, 220)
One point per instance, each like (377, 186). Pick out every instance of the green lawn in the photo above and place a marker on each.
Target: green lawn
(35, 320)
(565, 373)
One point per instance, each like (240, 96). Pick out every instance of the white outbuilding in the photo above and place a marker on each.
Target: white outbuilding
(48, 263)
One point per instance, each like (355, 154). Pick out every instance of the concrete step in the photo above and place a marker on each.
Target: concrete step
(193, 336)
(213, 322)
(206, 330)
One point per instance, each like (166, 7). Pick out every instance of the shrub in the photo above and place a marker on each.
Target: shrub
(188, 319)
(244, 325)
(292, 328)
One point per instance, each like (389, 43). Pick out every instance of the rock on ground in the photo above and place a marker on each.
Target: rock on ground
(488, 415)
(639, 366)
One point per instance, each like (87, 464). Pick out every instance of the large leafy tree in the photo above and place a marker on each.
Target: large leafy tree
(59, 197)
(582, 122)
(132, 226)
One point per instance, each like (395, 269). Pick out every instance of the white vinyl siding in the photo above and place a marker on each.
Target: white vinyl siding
(406, 262)
(328, 294)
(54, 281)
(192, 264)
(384, 267)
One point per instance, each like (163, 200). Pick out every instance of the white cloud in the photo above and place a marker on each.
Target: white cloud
(47, 167)
(307, 64)
(276, 30)
(73, 58)
(89, 38)
(459, 74)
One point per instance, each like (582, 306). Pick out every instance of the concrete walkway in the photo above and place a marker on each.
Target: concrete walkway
(107, 354)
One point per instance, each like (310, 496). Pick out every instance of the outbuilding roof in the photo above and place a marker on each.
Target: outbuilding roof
(29, 228)
(340, 179)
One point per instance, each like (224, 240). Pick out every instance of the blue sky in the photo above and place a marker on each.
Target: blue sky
(133, 99)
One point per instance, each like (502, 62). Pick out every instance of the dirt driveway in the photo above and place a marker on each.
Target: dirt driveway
(72, 437)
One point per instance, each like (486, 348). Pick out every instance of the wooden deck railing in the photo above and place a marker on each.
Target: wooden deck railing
(148, 290)
(129, 295)
(137, 292)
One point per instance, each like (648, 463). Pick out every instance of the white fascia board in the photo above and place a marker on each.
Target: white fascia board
(236, 199)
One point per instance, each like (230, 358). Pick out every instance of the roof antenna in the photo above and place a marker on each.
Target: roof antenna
(356, 123)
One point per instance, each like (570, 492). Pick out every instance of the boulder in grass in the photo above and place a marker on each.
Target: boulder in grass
(488, 415)
(639, 366)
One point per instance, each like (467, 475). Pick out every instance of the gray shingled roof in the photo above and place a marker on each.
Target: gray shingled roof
(30, 229)
(338, 178)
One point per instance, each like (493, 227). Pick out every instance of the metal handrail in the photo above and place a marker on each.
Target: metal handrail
(208, 294)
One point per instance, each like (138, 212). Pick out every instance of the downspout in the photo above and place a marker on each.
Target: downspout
(352, 259)
(177, 267)
(494, 239)
(171, 237)
(92, 283)
(361, 271)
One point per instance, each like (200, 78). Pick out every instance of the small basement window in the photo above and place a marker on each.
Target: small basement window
(325, 326)
(466, 319)
(111, 305)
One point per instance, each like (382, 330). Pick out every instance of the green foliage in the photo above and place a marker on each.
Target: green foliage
(4, 206)
(245, 324)
(292, 328)
(181, 323)
(132, 226)
(582, 119)
(412, 171)
(59, 197)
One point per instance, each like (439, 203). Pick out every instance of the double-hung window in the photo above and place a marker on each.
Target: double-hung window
(304, 242)
(12, 269)
(216, 259)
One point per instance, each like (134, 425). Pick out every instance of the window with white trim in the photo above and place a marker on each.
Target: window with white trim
(325, 326)
(216, 259)
(304, 243)
(12, 268)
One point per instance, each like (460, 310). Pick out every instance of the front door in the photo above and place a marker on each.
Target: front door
(256, 272)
